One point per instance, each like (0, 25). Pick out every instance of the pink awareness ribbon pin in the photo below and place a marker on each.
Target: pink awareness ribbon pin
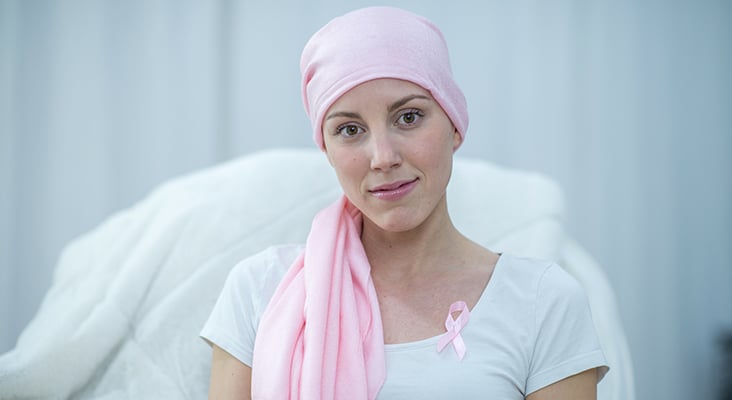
(453, 327)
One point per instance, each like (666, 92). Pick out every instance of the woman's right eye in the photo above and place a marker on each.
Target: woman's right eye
(349, 130)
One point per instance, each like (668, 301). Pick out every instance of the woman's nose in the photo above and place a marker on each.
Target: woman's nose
(385, 152)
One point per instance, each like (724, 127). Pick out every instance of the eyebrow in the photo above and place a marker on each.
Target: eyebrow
(345, 114)
(406, 100)
(392, 107)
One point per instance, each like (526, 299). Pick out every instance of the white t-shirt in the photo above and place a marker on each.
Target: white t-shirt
(530, 328)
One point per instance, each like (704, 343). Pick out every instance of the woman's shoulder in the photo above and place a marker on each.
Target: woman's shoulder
(524, 268)
(266, 268)
(536, 275)
(248, 287)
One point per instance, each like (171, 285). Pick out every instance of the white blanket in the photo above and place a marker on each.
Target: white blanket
(128, 299)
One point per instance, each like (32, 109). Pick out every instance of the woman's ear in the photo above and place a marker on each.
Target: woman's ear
(327, 155)
(457, 139)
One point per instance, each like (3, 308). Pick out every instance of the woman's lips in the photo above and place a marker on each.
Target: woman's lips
(395, 190)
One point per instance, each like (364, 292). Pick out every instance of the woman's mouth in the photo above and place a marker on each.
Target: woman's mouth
(394, 190)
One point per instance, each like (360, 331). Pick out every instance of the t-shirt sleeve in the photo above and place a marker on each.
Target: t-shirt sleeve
(231, 324)
(565, 342)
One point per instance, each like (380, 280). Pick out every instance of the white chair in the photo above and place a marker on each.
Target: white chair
(122, 317)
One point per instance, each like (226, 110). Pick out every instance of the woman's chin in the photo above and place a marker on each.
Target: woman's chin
(396, 221)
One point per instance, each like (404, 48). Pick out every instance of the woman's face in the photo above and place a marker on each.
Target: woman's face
(391, 146)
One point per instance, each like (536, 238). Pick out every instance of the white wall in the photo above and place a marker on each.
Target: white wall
(8, 28)
(625, 103)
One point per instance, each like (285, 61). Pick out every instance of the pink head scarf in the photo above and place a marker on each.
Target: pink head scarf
(374, 43)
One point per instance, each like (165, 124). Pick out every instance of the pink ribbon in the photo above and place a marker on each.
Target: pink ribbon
(453, 327)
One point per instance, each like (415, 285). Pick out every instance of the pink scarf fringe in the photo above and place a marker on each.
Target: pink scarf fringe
(321, 335)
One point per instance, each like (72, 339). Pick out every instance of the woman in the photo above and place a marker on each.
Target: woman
(387, 299)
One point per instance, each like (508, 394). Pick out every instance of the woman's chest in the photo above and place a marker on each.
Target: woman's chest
(494, 367)
(412, 312)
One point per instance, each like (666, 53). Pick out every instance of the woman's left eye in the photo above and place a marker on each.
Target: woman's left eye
(410, 117)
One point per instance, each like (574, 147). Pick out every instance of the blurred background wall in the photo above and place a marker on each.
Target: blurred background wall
(628, 104)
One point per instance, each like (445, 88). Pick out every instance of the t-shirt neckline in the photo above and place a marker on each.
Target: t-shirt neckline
(432, 341)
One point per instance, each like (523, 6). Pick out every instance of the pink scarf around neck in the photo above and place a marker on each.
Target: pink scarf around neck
(321, 336)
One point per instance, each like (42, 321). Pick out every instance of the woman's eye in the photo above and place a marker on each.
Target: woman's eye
(348, 130)
(409, 117)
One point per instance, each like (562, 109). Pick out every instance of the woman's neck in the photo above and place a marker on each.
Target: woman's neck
(404, 254)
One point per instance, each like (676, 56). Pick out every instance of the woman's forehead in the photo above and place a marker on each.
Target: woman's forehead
(384, 90)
